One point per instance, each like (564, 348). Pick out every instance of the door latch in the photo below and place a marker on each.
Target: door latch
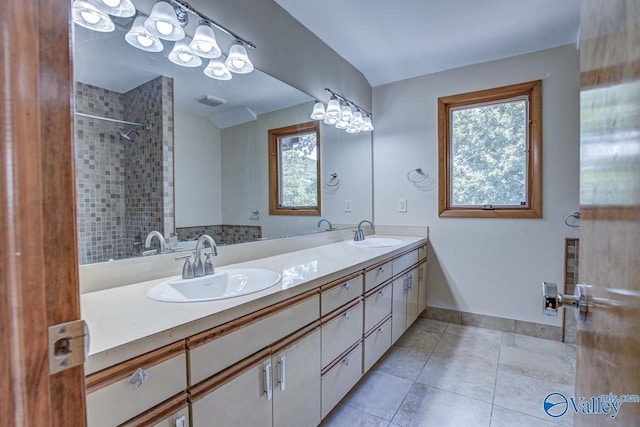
(68, 345)
(552, 300)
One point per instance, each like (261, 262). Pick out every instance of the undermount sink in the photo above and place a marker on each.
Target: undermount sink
(221, 285)
(376, 242)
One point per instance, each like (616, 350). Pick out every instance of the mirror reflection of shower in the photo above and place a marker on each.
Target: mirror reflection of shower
(128, 135)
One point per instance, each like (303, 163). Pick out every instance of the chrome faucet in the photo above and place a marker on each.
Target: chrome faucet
(359, 233)
(328, 223)
(204, 268)
(159, 236)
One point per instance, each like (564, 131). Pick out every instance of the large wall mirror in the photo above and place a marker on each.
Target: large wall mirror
(160, 147)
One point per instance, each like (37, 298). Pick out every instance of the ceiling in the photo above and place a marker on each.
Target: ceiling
(391, 41)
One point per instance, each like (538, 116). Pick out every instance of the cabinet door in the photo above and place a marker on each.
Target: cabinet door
(243, 401)
(412, 296)
(422, 287)
(296, 383)
(399, 308)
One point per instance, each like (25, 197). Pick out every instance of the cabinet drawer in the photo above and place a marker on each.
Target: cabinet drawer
(422, 252)
(376, 344)
(377, 306)
(337, 296)
(405, 261)
(225, 349)
(377, 276)
(341, 332)
(339, 379)
(119, 401)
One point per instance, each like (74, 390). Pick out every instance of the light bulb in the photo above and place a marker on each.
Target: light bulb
(183, 56)
(87, 15)
(238, 60)
(163, 22)
(90, 16)
(217, 70)
(119, 8)
(111, 3)
(144, 40)
(331, 121)
(333, 108)
(347, 114)
(164, 28)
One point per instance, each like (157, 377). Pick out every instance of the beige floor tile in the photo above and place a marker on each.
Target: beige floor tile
(379, 394)
(526, 394)
(427, 406)
(420, 339)
(467, 377)
(535, 364)
(470, 348)
(502, 417)
(403, 362)
(474, 332)
(344, 416)
(430, 325)
(537, 345)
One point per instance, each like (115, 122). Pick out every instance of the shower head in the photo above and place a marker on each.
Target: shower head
(127, 135)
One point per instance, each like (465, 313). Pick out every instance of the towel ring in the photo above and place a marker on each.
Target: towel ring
(334, 181)
(417, 175)
(576, 216)
(255, 215)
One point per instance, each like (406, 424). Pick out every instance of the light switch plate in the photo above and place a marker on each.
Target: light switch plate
(402, 205)
(347, 205)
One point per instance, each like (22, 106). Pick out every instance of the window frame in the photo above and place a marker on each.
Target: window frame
(533, 91)
(274, 170)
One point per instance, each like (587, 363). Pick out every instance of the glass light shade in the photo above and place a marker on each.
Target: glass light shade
(353, 129)
(163, 22)
(342, 124)
(357, 118)
(331, 121)
(367, 125)
(217, 70)
(87, 15)
(184, 56)
(238, 60)
(318, 111)
(140, 38)
(347, 114)
(333, 108)
(204, 42)
(119, 8)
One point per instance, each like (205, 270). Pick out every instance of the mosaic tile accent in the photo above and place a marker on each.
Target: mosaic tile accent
(571, 267)
(222, 234)
(122, 193)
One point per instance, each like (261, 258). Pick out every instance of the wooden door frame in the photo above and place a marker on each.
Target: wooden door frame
(38, 257)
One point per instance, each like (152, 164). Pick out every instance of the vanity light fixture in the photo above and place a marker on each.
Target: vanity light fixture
(343, 114)
(140, 38)
(119, 8)
(167, 21)
(217, 70)
(184, 56)
(163, 22)
(238, 60)
(89, 16)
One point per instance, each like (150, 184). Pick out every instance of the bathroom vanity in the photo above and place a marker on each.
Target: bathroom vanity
(284, 356)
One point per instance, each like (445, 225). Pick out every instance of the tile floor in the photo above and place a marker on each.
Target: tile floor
(443, 374)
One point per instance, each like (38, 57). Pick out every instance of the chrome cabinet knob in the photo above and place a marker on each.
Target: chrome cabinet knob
(552, 300)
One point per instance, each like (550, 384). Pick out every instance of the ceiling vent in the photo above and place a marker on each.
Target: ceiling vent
(211, 101)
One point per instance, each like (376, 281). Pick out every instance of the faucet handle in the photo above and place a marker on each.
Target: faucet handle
(187, 269)
(208, 265)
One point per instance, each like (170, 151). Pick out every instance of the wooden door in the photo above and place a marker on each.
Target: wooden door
(608, 358)
(296, 383)
(38, 255)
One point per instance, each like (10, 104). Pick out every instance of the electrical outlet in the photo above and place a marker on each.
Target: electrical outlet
(347, 205)
(402, 205)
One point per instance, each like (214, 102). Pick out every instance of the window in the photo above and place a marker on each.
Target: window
(294, 170)
(489, 147)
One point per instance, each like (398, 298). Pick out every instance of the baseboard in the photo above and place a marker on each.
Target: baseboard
(538, 330)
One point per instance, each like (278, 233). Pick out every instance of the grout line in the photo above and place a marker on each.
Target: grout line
(495, 382)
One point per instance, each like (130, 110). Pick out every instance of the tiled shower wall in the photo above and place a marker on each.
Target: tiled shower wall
(222, 234)
(121, 190)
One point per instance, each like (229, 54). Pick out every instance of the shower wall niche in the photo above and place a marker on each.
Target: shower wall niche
(124, 189)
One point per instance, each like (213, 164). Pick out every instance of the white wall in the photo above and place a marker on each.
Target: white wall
(485, 266)
(245, 174)
(198, 179)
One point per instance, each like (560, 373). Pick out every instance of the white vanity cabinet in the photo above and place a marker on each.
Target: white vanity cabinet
(340, 292)
(341, 330)
(340, 376)
(405, 303)
(376, 343)
(279, 386)
(422, 286)
(122, 392)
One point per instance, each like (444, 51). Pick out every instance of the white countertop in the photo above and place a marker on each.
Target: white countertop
(124, 323)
